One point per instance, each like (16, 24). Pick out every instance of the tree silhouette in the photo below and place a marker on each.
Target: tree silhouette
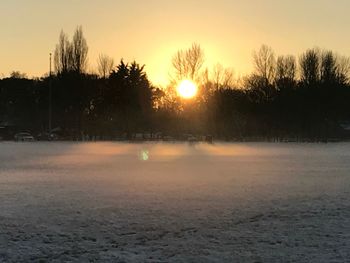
(105, 65)
(71, 56)
(265, 64)
(328, 68)
(127, 101)
(79, 51)
(260, 84)
(18, 75)
(343, 69)
(274, 102)
(62, 55)
(310, 67)
(222, 77)
(188, 63)
(285, 72)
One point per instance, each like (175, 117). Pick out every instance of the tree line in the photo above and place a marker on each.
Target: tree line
(285, 97)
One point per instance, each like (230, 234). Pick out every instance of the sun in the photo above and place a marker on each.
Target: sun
(187, 89)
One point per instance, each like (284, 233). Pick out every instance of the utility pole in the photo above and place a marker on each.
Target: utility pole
(50, 99)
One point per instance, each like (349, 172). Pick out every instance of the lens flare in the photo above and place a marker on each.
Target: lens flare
(144, 155)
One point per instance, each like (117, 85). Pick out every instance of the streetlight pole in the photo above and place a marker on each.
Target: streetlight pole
(50, 99)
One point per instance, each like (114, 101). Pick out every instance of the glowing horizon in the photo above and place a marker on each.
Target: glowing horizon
(151, 32)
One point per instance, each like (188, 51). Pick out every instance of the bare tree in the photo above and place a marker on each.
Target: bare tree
(105, 65)
(260, 84)
(218, 72)
(310, 67)
(222, 77)
(265, 63)
(188, 63)
(79, 51)
(71, 56)
(328, 67)
(285, 72)
(18, 75)
(343, 69)
(286, 68)
(62, 55)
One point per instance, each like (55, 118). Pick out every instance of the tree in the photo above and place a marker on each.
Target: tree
(129, 97)
(222, 77)
(286, 67)
(258, 89)
(309, 64)
(260, 84)
(79, 51)
(188, 63)
(105, 65)
(285, 72)
(343, 69)
(334, 69)
(18, 75)
(328, 68)
(62, 55)
(265, 63)
(71, 56)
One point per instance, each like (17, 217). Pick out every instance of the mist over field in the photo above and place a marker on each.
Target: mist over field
(174, 202)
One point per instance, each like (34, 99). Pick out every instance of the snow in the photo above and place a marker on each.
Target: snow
(174, 202)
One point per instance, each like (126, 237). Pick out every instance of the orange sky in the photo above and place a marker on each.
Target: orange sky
(152, 31)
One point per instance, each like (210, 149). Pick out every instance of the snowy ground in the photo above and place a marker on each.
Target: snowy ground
(111, 202)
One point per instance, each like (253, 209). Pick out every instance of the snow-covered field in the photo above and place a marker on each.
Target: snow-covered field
(113, 202)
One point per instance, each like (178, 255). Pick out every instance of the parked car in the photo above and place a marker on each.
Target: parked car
(23, 137)
(45, 136)
(192, 138)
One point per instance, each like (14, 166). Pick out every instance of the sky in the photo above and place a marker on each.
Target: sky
(152, 31)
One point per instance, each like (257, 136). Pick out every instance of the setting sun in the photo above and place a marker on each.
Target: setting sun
(187, 89)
